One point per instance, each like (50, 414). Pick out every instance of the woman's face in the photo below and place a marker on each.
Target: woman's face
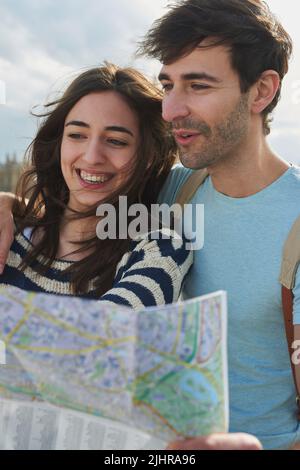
(100, 141)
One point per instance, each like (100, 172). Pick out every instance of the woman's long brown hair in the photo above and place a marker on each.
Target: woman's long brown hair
(43, 184)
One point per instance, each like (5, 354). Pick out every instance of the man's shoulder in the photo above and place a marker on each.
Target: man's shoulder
(178, 175)
(175, 180)
(295, 174)
(291, 186)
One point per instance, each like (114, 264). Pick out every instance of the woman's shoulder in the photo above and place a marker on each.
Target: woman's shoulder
(152, 271)
(163, 239)
(21, 243)
(159, 250)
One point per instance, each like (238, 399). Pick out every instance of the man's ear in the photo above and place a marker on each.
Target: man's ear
(264, 90)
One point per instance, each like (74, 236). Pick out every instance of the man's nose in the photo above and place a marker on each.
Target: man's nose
(174, 107)
(95, 152)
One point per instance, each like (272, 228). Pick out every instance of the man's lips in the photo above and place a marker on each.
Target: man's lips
(186, 137)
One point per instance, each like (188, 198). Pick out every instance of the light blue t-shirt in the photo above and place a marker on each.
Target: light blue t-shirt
(243, 241)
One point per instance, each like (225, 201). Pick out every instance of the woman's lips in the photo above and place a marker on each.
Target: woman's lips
(93, 185)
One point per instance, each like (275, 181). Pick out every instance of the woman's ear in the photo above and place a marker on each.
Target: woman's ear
(264, 91)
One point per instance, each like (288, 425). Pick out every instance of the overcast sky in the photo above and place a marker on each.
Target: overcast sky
(43, 42)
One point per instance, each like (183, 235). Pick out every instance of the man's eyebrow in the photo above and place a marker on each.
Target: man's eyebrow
(192, 76)
(201, 76)
(163, 76)
(108, 128)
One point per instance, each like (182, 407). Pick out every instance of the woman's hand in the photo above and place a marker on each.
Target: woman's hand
(6, 226)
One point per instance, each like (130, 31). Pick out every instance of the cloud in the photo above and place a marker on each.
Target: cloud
(46, 39)
(44, 42)
(285, 140)
(26, 68)
(78, 32)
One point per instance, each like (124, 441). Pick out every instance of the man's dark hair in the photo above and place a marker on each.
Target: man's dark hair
(257, 40)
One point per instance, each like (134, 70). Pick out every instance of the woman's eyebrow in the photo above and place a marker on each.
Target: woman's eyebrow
(77, 123)
(119, 129)
(107, 128)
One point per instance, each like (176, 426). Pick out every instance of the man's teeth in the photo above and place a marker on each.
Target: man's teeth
(93, 178)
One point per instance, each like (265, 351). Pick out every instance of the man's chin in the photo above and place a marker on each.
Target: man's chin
(194, 162)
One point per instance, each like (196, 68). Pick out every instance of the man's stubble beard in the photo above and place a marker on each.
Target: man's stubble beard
(222, 141)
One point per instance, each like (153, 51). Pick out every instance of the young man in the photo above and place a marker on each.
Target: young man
(223, 65)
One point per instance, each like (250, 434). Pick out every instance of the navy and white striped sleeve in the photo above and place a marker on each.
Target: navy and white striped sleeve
(151, 274)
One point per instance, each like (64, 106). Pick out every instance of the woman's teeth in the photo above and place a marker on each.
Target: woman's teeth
(93, 178)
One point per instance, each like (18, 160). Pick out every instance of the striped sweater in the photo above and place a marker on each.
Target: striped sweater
(151, 273)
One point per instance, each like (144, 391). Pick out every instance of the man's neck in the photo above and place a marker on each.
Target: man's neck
(250, 170)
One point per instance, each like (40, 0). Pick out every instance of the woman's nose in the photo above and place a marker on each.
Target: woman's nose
(95, 153)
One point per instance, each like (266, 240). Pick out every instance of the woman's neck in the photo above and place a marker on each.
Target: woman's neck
(75, 230)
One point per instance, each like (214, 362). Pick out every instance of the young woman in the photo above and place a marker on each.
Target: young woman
(103, 138)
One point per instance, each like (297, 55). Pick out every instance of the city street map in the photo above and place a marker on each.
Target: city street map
(85, 374)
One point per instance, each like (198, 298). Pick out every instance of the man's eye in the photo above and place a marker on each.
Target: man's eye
(167, 86)
(199, 86)
(116, 142)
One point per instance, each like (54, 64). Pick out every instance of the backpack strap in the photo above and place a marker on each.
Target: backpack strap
(287, 308)
(291, 257)
(190, 186)
(289, 266)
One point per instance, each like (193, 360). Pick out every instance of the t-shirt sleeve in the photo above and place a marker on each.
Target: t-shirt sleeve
(175, 180)
(296, 292)
(152, 274)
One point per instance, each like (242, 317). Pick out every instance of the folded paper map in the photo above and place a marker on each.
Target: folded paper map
(83, 374)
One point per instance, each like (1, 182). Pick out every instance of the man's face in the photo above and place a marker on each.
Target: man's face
(210, 116)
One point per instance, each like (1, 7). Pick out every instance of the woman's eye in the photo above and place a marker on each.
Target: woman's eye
(116, 142)
(76, 136)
